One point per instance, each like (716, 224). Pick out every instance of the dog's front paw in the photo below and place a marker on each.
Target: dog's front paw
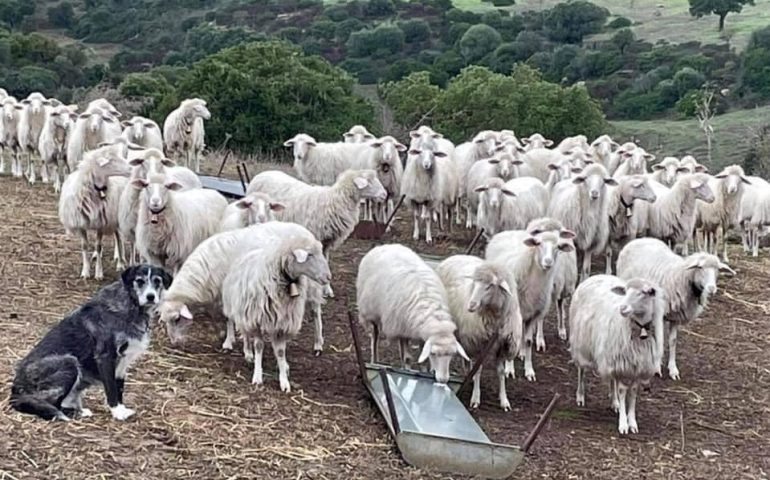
(120, 412)
(85, 413)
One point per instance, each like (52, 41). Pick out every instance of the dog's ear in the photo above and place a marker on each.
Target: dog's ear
(122, 347)
(166, 277)
(128, 276)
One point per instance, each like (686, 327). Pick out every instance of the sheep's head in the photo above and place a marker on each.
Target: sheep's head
(368, 185)
(259, 208)
(506, 165)
(105, 106)
(427, 153)
(11, 108)
(489, 290)
(423, 132)
(548, 245)
(306, 258)
(390, 148)
(137, 128)
(63, 116)
(564, 168)
(536, 141)
(156, 193)
(440, 348)
(177, 318)
(491, 194)
(637, 160)
(704, 270)
(301, 145)
(150, 161)
(691, 165)
(641, 303)
(636, 187)
(36, 103)
(698, 183)
(731, 179)
(105, 163)
(196, 108)
(668, 170)
(485, 143)
(357, 134)
(96, 118)
(594, 179)
(603, 146)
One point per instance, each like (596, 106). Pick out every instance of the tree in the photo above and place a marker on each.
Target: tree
(412, 98)
(478, 41)
(570, 22)
(623, 39)
(62, 15)
(755, 74)
(700, 8)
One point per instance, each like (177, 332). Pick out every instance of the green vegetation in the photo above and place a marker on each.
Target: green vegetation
(699, 8)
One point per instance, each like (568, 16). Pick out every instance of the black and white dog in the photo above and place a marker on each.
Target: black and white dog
(94, 344)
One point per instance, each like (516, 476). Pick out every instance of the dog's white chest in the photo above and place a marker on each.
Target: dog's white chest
(134, 350)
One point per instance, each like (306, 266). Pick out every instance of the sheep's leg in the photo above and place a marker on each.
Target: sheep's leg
(120, 252)
(428, 236)
(561, 314)
(259, 347)
(685, 248)
(754, 232)
(416, 216)
(375, 342)
(505, 404)
(622, 417)
(539, 337)
(403, 350)
(580, 394)
(468, 217)
(56, 179)
(586, 271)
(279, 350)
(44, 172)
(458, 217)
(529, 369)
(631, 413)
(230, 337)
(441, 217)
(608, 261)
(99, 269)
(318, 343)
(673, 371)
(32, 168)
(724, 246)
(744, 239)
(248, 348)
(2, 160)
(476, 395)
(86, 271)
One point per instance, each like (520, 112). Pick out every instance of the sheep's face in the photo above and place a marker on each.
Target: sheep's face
(639, 305)
(301, 145)
(177, 319)
(197, 109)
(390, 149)
(108, 164)
(699, 184)
(704, 270)
(637, 160)
(536, 141)
(491, 194)
(156, 193)
(309, 261)
(489, 290)
(11, 109)
(563, 169)
(668, 170)
(548, 246)
(507, 167)
(258, 208)
(136, 129)
(485, 143)
(36, 104)
(427, 155)
(440, 348)
(639, 189)
(357, 134)
(594, 180)
(369, 186)
(61, 117)
(96, 119)
(603, 146)
(731, 179)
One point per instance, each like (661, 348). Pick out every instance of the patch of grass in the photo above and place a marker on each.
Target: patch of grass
(732, 136)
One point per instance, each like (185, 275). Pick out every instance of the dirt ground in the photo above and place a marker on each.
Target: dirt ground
(199, 417)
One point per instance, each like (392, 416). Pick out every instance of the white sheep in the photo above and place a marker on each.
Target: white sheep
(625, 221)
(618, 156)
(357, 134)
(580, 204)
(448, 176)
(413, 307)
(89, 202)
(667, 171)
(11, 112)
(483, 302)
(421, 184)
(104, 105)
(688, 282)
(184, 133)
(691, 164)
(143, 132)
(30, 126)
(532, 260)
(265, 294)
(538, 161)
(466, 154)
(633, 162)
(754, 214)
(617, 331)
(570, 144)
(722, 213)
(510, 205)
(382, 157)
(92, 128)
(252, 209)
(503, 166)
(173, 221)
(53, 142)
(320, 163)
(535, 141)
(601, 149)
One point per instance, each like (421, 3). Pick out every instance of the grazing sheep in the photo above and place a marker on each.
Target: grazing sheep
(264, 294)
(625, 222)
(601, 150)
(672, 216)
(199, 281)
(53, 142)
(252, 209)
(143, 132)
(502, 166)
(692, 165)
(11, 112)
(510, 205)
(357, 134)
(321, 163)
(89, 201)
(92, 128)
(667, 171)
(535, 141)
(531, 259)
(617, 331)
(31, 122)
(722, 213)
(688, 282)
(414, 306)
(580, 205)
(754, 214)
(173, 221)
(184, 133)
(483, 302)
(633, 162)
(421, 184)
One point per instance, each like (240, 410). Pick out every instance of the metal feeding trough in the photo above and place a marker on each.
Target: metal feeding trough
(430, 425)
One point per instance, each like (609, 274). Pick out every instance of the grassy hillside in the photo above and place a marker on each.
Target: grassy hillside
(733, 132)
(672, 22)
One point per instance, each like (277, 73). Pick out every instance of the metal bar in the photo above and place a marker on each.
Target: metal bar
(478, 362)
(389, 399)
(395, 209)
(474, 242)
(245, 172)
(224, 160)
(357, 346)
(540, 424)
(240, 176)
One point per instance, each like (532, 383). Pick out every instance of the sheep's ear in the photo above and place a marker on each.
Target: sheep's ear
(18, 107)
(505, 191)
(440, 154)
(695, 183)
(501, 147)
(745, 180)
(658, 167)
(548, 143)
(244, 204)
(579, 179)
(701, 169)
(505, 287)
(723, 267)
(531, 242)
(414, 134)
(425, 353)
(611, 181)
(553, 166)
(135, 162)
(47, 103)
(614, 144)
(73, 108)
(649, 157)
(414, 151)
(347, 135)
(289, 143)
(720, 176)
(73, 116)
(493, 161)
(619, 290)
(185, 312)
(108, 119)
(139, 183)
(481, 188)
(576, 170)
(637, 182)
(517, 161)
(360, 183)
(126, 124)
(566, 247)
(167, 162)
(436, 135)
(174, 186)
(400, 147)
(300, 255)
(26, 101)
(679, 169)
(375, 144)
(691, 263)
(135, 147)
(102, 161)
(461, 351)
(649, 291)
(567, 233)
(478, 139)
(277, 207)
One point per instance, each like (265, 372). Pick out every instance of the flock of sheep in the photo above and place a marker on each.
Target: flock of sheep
(262, 261)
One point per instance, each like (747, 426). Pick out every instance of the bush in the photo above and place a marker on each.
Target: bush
(62, 15)
(386, 37)
(479, 41)
(462, 16)
(755, 62)
(570, 22)
(688, 79)
(620, 22)
(503, 3)
(417, 30)
(379, 8)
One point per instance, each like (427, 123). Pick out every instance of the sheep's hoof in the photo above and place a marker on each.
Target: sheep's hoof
(581, 402)
(85, 413)
(505, 405)
(228, 347)
(563, 335)
(530, 376)
(317, 352)
(623, 428)
(632, 427)
(541, 345)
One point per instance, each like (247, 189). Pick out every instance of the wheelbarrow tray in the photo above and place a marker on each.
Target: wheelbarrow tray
(225, 186)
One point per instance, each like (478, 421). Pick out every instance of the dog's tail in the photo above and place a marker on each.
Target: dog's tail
(26, 403)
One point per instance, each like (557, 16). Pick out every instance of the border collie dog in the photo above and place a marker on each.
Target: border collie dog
(95, 344)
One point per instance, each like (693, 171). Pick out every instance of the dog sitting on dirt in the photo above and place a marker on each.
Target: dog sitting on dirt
(94, 344)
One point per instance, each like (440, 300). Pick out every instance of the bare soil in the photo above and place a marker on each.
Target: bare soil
(199, 417)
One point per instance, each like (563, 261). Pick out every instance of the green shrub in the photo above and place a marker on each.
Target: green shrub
(620, 22)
